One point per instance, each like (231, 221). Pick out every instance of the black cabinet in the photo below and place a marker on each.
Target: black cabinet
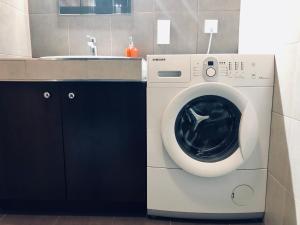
(105, 137)
(73, 141)
(31, 143)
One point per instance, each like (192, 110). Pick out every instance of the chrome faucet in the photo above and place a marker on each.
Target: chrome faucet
(92, 45)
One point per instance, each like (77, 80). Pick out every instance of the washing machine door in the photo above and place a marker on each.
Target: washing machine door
(210, 129)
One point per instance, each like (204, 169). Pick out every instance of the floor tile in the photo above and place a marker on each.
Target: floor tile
(84, 220)
(246, 224)
(100, 220)
(28, 220)
(196, 222)
(139, 221)
(73, 220)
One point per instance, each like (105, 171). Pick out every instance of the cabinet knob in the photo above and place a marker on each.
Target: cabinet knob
(71, 95)
(46, 95)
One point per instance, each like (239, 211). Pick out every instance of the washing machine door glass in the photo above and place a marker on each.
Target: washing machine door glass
(207, 128)
(210, 129)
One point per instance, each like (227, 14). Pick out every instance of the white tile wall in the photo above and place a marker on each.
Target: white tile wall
(274, 27)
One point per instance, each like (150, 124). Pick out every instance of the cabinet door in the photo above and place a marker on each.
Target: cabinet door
(105, 141)
(31, 147)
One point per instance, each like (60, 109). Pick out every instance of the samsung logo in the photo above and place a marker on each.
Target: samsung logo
(158, 59)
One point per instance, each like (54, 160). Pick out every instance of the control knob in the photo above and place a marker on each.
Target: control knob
(211, 72)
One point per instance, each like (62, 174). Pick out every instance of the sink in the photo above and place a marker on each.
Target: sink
(87, 57)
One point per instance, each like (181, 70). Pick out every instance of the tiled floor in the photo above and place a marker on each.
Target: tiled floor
(89, 220)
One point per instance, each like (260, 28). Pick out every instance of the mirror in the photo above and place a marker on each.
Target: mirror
(67, 7)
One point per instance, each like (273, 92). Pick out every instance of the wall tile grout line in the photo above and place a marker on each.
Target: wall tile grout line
(69, 44)
(282, 186)
(110, 32)
(289, 117)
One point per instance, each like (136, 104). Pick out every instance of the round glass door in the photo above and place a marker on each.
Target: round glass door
(207, 128)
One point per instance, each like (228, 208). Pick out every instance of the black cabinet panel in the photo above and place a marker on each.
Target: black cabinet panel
(104, 130)
(31, 145)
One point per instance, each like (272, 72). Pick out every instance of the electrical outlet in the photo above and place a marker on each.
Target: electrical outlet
(211, 26)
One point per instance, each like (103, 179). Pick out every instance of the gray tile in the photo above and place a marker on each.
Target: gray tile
(278, 154)
(139, 221)
(183, 33)
(94, 220)
(274, 202)
(193, 222)
(84, 220)
(247, 223)
(97, 26)
(178, 6)
(72, 220)
(288, 183)
(49, 35)
(290, 214)
(143, 5)
(28, 220)
(43, 6)
(277, 98)
(226, 40)
(197, 223)
(207, 5)
(138, 25)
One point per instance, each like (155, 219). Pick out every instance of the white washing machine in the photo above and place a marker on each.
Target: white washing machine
(208, 135)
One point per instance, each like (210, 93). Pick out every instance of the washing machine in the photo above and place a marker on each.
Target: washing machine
(208, 129)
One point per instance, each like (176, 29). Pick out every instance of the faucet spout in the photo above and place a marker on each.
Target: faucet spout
(92, 45)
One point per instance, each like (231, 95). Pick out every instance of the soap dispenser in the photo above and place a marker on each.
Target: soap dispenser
(131, 51)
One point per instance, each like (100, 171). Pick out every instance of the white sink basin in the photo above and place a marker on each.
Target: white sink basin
(87, 57)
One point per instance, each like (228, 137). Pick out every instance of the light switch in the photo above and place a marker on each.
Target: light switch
(163, 32)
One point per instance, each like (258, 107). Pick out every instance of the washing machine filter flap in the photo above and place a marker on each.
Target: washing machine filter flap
(209, 129)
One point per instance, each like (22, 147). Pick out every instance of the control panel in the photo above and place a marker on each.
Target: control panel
(231, 69)
(234, 69)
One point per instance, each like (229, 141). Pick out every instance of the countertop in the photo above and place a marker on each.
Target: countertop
(49, 69)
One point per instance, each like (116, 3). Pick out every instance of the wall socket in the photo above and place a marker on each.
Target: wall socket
(211, 26)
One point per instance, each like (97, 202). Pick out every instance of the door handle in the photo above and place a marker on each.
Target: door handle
(47, 95)
(71, 95)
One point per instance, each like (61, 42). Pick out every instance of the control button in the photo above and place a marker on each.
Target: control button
(210, 72)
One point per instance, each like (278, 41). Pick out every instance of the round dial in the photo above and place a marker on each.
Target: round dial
(210, 72)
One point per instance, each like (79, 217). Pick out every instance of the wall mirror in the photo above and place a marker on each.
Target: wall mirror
(94, 6)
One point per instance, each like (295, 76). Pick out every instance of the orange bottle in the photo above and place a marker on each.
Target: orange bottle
(131, 51)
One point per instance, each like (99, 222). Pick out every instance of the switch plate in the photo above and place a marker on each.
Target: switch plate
(163, 32)
(211, 26)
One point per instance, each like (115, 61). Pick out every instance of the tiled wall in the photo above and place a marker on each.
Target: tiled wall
(274, 27)
(63, 35)
(14, 29)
